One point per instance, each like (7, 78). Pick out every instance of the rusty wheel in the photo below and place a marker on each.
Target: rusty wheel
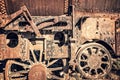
(94, 60)
(36, 68)
(32, 69)
(22, 71)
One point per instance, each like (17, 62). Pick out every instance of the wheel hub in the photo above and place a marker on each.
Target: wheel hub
(94, 61)
(37, 72)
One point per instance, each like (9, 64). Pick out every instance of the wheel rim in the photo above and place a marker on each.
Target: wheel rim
(94, 60)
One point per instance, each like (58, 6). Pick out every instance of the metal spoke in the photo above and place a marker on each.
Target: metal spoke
(64, 62)
(40, 58)
(85, 66)
(52, 62)
(104, 55)
(92, 50)
(34, 57)
(89, 71)
(103, 70)
(33, 54)
(17, 74)
(99, 52)
(87, 53)
(55, 69)
(21, 64)
(31, 62)
(83, 60)
(96, 71)
(105, 62)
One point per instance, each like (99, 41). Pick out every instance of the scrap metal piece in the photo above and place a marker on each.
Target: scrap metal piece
(54, 55)
(22, 12)
(94, 61)
(29, 19)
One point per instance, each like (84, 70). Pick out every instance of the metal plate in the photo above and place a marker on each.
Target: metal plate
(118, 43)
(95, 5)
(38, 7)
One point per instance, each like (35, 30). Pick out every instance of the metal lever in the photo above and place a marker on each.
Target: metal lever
(22, 12)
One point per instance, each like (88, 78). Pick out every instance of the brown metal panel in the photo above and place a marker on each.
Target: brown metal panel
(37, 7)
(97, 5)
(118, 43)
(117, 24)
(2, 46)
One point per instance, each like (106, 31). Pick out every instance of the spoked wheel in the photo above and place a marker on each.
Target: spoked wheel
(94, 60)
(33, 69)
(36, 68)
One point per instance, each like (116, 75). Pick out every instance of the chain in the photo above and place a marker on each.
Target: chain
(2, 7)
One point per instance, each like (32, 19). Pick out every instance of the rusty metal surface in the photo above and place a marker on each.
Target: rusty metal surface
(7, 49)
(117, 24)
(67, 47)
(90, 57)
(118, 43)
(39, 7)
(2, 46)
(60, 7)
(97, 6)
(37, 72)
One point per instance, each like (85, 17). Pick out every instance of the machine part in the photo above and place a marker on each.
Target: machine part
(37, 72)
(94, 60)
(51, 57)
(12, 42)
(15, 70)
(36, 68)
(22, 12)
(118, 43)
